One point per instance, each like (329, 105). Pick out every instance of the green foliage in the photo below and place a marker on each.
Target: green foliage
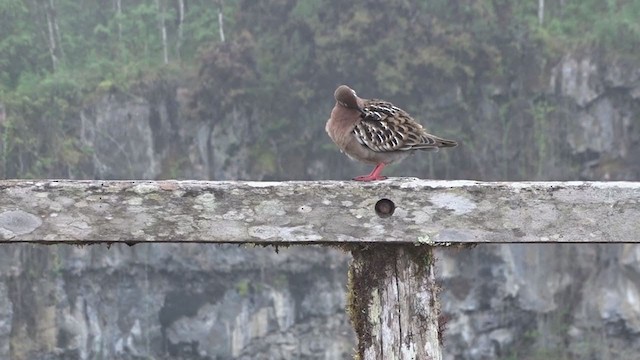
(609, 24)
(97, 40)
(18, 44)
(227, 75)
(98, 51)
(40, 133)
(281, 55)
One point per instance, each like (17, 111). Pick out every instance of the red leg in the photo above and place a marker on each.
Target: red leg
(375, 174)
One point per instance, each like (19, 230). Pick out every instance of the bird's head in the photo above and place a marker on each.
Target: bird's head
(346, 97)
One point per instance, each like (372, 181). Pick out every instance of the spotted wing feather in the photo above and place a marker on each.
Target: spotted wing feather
(386, 128)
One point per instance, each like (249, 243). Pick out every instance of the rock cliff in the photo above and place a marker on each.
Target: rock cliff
(227, 302)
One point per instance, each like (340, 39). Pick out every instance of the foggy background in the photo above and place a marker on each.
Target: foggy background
(228, 90)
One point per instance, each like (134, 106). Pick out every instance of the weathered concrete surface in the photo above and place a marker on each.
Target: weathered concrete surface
(430, 212)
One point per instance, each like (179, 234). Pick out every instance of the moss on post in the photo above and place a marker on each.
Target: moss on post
(392, 302)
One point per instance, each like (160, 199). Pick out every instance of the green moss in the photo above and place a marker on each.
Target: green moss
(242, 287)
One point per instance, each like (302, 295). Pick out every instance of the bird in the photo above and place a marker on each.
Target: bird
(376, 132)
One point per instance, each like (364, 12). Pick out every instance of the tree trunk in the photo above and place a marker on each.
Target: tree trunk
(220, 20)
(56, 29)
(392, 302)
(540, 12)
(51, 36)
(118, 6)
(180, 24)
(163, 30)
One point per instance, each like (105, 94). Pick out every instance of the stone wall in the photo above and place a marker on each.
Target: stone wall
(227, 302)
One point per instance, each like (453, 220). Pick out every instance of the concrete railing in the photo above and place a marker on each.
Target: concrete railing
(390, 227)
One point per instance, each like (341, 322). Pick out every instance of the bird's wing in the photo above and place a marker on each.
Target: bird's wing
(385, 127)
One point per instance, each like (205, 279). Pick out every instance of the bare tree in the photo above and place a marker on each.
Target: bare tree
(180, 23)
(540, 12)
(56, 29)
(220, 4)
(118, 6)
(51, 35)
(163, 29)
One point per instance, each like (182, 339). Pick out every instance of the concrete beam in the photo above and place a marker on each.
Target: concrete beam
(423, 211)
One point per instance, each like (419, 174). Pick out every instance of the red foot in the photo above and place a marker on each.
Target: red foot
(375, 174)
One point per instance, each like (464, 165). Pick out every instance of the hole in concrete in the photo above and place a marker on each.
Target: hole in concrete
(385, 208)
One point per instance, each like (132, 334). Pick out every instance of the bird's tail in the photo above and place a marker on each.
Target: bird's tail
(444, 143)
(433, 143)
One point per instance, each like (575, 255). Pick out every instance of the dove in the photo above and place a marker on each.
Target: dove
(376, 132)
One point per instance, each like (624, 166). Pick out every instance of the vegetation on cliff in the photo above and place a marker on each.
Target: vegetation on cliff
(57, 56)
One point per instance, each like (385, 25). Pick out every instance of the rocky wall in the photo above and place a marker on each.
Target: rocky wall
(228, 302)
